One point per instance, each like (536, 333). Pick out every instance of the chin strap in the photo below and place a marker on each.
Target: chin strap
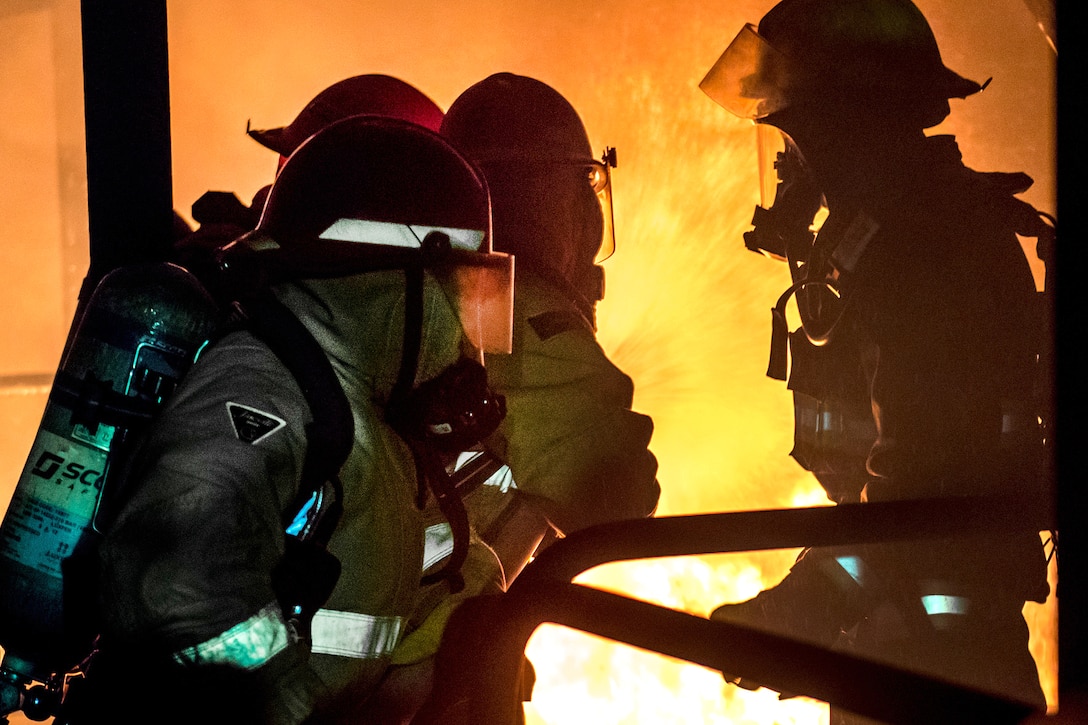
(402, 414)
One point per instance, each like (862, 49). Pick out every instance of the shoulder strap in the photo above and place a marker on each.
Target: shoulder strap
(331, 433)
(430, 469)
(306, 575)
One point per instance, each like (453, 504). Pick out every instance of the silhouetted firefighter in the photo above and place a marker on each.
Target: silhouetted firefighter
(914, 370)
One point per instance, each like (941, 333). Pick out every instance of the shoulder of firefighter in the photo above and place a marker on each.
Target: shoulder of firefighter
(574, 446)
(569, 454)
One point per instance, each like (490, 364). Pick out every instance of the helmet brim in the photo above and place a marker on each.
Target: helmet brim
(753, 79)
(272, 139)
(956, 86)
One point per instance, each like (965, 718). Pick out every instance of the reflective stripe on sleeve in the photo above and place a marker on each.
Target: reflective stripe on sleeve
(946, 611)
(437, 544)
(502, 478)
(936, 604)
(854, 566)
(248, 645)
(348, 634)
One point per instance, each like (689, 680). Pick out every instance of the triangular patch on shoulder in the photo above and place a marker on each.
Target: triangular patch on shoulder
(252, 425)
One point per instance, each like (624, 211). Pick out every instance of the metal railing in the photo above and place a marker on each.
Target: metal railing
(477, 670)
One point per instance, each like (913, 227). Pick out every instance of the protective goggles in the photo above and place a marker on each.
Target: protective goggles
(599, 176)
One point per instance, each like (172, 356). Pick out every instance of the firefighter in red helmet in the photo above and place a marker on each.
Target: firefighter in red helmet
(222, 216)
(914, 368)
(243, 576)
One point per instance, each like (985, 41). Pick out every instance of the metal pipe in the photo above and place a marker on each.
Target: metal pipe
(478, 683)
(780, 529)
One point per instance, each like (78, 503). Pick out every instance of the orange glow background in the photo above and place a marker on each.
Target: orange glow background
(686, 314)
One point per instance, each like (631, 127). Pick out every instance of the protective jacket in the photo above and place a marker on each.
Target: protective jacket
(573, 451)
(926, 389)
(187, 564)
(571, 440)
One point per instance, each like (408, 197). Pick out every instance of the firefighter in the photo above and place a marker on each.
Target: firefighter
(236, 584)
(572, 450)
(578, 453)
(913, 370)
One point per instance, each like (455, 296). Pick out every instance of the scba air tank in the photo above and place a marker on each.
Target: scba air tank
(141, 330)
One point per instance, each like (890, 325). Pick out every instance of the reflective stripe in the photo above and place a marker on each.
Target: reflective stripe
(502, 478)
(936, 604)
(464, 457)
(248, 645)
(366, 231)
(470, 463)
(946, 611)
(437, 544)
(303, 516)
(348, 634)
(854, 566)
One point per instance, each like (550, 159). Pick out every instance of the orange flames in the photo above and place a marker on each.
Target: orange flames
(686, 312)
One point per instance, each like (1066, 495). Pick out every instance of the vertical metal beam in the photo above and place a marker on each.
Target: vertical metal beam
(127, 105)
(1071, 359)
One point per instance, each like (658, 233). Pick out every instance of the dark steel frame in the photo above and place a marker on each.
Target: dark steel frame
(477, 676)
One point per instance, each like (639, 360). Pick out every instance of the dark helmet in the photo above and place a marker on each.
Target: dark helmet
(529, 141)
(509, 118)
(369, 193)
(372, 94)
(877, 53)
(362, 194)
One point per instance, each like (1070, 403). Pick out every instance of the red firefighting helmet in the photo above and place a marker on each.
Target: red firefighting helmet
(372, 94)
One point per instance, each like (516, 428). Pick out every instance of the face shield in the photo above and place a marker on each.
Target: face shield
(770, 145)
(749, 81)
(481, 288)
(479, 284)
(750, 78)
(598, 175)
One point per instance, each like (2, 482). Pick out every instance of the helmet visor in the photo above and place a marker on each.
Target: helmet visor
(481, 287)
(770, 144)
(479, 283)
(749, 79)
(598, 176)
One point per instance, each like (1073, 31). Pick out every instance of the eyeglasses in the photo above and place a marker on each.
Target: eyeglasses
(600, 176)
